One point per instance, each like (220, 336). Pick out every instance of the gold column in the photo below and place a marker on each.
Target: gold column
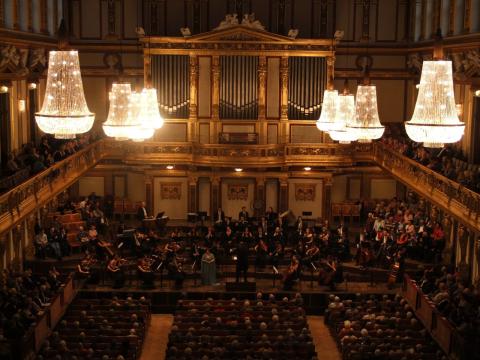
(16, 25)
(43, 17)
(262, 85)
(451, 17)
(55, 14)
(149, 194)
(259, 197)
(436, 17)
(283, 195)
(147, 68)
(327, 199)
(29, 16)
(215, 194)
(214, 127)
(192, 119)
(423, 22)
(467, 16)
(2, 13)
(284, 130)
(192, 194)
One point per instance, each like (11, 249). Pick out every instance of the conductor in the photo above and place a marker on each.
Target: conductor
(242, 261)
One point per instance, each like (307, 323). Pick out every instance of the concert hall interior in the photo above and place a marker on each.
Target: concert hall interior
(240, 179)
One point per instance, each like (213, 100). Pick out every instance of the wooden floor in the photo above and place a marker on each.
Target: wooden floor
(155, 344)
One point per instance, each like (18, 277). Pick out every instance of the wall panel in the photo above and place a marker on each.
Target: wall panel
(89, 184)
(174, 208)
(233, 207)
(204, 86)
(305, 134)
(273, 88)
(297, 206)
(204, 195)
(383, 188)
(271, 194)
(387, 21)
(90, 19)
(172, 133)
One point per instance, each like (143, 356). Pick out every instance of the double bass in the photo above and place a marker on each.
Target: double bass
(328, 270)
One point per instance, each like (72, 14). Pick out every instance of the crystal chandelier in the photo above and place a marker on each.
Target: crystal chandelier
(149, 113)
(366, 123)
(122, 120)
(329, 105)
(435, 120)
(344, 115)
(64, 110)
(140, 111)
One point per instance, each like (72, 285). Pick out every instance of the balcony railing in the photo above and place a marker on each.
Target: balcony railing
(237, 138)
(245, 155)
(35, 192)
(450, 195)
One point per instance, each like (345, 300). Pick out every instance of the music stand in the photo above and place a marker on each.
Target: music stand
(203, 216)
(275, 273)
(306, 215)
(192, 217)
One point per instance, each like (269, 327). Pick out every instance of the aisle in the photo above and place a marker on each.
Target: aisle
(156, 341)
(324, 343)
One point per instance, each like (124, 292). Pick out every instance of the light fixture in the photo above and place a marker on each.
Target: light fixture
(149, 114)
(307, 168)
(366, 122)
(21, 105)
(143, 130)
(435, 121)
(32, 86)
(329, 105)
(3, 89)
(121, 122)
(344, 115)
(169, 167)
(238, 169)
(477, 93)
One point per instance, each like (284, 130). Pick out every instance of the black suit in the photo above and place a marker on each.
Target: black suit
(243, 214)
(216, 217)
(141, 213)
(242, 261)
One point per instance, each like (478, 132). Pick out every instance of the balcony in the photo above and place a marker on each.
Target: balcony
(274, 155)
(20, 201)
(461, 202)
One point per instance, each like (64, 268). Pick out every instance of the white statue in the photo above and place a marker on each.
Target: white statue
(249, 20)
(230, 20)
(185, 32)
(293, 33)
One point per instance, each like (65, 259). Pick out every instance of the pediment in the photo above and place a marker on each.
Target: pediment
(239, 33)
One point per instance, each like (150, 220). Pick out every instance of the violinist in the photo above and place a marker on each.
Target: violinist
(278, 236)
(261, 251)
(275, 253)
(145, 272)
(116, 272)
(312, 254)
(292, 274)
(308, 237)
(176, 273)
(85, 270)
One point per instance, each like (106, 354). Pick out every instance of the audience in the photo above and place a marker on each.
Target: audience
(33, 159)
(99, 329)
(458, 301)
(448, 161)
(24, 297)
(379, 327)
(265, 328)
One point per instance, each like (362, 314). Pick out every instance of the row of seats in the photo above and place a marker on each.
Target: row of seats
(235, 329)
(100, 329)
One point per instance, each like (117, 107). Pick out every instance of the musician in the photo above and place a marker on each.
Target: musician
(261, 251)
(243, 214)
(299, 226)
(292, 274)
(242, 261)
(264, 225)
(308, 237)
(364, 256)
(247, 235)
(208, 268)
(219, 216)
(228, 238)
(271, 216)
(330, 272)
(171, 249)
(145, 272)
(275, 253)
(116, 272)
(142, 212)
(311, 254)
(83, 238)
(278, 236)
(210, 237)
